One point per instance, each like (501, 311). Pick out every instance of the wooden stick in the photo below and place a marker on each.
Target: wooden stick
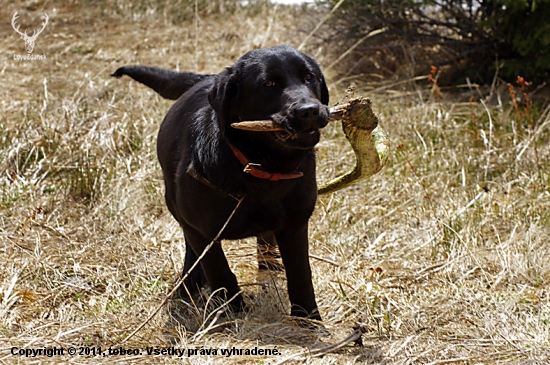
(369, 142)
(270, 126)
(258, 126)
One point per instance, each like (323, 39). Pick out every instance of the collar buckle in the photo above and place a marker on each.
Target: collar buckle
(250, 166)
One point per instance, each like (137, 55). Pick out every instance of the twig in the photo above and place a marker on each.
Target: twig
(200, 334)
(54, 230)
(181, 279)
(324, 260)
(269, 25)
(381, 88)
(319, 24)
(343, 55)
(488, 141)
(355, 336)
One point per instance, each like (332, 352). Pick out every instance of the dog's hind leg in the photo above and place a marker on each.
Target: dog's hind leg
(268, 253)
(169, 84)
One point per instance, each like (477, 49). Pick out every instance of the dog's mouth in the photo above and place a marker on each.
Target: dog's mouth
(284, 136)
(305, 139)
(282, 132)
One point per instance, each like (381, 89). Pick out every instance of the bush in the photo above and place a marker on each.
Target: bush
(465, 37)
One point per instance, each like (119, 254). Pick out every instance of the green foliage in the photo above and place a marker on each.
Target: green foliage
(521, 31)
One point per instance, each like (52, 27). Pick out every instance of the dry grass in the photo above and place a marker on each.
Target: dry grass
(441, 258)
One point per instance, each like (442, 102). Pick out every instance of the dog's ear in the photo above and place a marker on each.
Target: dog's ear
(223, 93)
(324, 91)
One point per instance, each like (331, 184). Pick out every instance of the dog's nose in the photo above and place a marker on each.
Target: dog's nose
(308, 116)
(308, 111)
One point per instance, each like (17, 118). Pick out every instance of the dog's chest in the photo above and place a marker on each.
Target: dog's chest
(254, 217)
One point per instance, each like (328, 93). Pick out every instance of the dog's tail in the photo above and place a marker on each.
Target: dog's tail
(169, 84)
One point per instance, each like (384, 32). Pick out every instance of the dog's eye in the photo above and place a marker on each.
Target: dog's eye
(269, 83)
(309, 76)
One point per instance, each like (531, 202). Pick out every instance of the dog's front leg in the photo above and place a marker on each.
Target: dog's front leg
(216, 268)
(293, 245)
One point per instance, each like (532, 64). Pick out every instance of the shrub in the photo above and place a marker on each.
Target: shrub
(470, 38)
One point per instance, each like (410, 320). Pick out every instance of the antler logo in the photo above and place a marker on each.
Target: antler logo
(29, 40)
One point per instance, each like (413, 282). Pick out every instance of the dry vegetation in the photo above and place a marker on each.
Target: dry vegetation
(443, 257)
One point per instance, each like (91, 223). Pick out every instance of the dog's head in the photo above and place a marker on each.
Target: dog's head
(279, 83)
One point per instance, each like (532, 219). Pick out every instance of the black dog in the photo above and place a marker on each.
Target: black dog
(208, 165)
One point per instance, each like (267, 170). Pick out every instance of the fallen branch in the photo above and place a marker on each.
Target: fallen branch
(355, 336)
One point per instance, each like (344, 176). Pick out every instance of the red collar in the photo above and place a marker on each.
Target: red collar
(255, 170)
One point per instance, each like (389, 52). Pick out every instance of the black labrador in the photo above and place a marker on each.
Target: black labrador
(209, 166)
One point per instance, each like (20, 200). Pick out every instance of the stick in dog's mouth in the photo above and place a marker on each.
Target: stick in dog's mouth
(369, 142)
(259, 126)
(351, 108)
(268, 126)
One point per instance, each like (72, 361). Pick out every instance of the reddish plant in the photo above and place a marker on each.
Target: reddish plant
(432, 79)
